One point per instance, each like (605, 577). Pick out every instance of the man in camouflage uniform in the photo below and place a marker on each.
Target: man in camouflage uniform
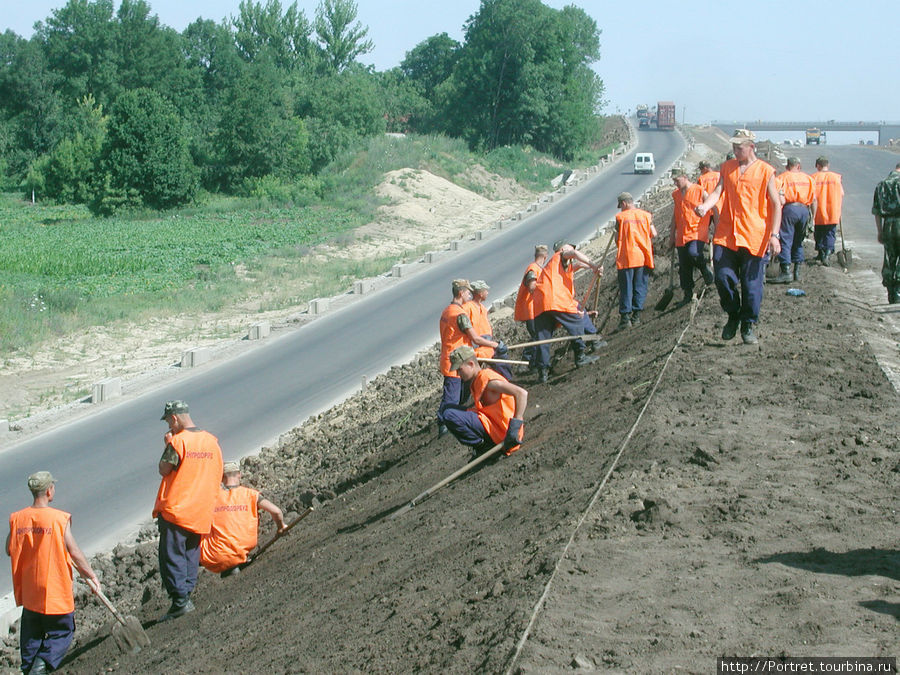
(886, 208)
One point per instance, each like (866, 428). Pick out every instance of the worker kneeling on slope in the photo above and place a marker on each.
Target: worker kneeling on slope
(235, 523)
(496, 416)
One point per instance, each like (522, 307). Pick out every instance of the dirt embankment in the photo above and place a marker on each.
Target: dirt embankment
(753, 511)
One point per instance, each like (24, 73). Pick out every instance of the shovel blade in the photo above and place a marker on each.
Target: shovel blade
(666, 298)
(130, 638)
(845, 257)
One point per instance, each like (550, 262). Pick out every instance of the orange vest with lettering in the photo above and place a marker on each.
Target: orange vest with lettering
(186, 496)
(234, 529)
(478, 314)
(829, 196)
(555, 290)
(525, 300)
(688, 225)
(451, 336)
(496, 416)
(41, 565)
(798, 187)
(635, 241)
(708, 182)
(743, 220)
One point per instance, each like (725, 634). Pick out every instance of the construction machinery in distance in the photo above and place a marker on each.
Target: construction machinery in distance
(815, 135)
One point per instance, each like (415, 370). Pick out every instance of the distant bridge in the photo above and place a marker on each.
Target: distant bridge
(886, 130)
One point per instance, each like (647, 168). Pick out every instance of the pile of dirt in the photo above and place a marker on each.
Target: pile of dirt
(753, 511)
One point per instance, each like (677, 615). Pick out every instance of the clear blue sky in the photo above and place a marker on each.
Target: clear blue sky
(798, 60)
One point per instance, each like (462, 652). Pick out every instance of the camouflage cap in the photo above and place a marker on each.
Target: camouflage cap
(743, 136)
(559, 243)
(793, 161)
(231, 467)
(40, 481)
(480, 285)
(821, 160)
(460, 355)
(458, 285)
(703, 164)
(174, 408)
(677, 172)
(624, 197)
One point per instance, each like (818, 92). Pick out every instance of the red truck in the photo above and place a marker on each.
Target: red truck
(665, 115)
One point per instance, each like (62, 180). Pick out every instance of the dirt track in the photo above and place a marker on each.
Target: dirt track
(753, 511)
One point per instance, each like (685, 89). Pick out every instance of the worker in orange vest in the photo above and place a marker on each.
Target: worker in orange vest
(481, 334)
(524, 310)
(235, 523)
(555, 303)
(829, 201)
(634, 258)
(689, 234)
(747, 230)
(798, 199)
(708, 179)
(454, 329)
(42, 550)
(497, 413)
(191, 471)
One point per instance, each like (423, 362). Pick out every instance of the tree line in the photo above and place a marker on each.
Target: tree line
(113, 109)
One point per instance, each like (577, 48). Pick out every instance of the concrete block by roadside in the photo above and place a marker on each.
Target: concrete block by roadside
(461, 244)
(318, 306)
(405, 269)
(106, 389)
(259, 330)
(437, 256)
(195, 356)
(4, 428)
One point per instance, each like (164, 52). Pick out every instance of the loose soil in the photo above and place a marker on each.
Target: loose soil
(752, 510)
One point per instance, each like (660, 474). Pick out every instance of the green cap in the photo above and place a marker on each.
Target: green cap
(677, 172)
(822, 160)
(480, 285)
(624, 197)
(458, 284)
(231, 467)
(40, 481)
(703, 164)
(460, 355)
(174, 408)
(559, 243)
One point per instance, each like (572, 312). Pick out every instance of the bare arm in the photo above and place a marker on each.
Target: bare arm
(273, 511)
(476, 339)
(710, 200)
(78, 558)
(583, 259)
(774, 215)
(520, 395)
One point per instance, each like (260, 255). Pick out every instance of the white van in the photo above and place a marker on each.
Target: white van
(643, 163)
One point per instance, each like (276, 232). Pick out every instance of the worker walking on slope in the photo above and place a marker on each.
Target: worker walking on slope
(798, 196)
(886, 209)
(454, 326)
(829, 195)
(748, 228)
(524, 310)
(634, 258)
(496, 416)
(555, 303)
(235, 524)
(689, 235)
(708, 179)
(191, 470)
(482, 330)
(42, 551)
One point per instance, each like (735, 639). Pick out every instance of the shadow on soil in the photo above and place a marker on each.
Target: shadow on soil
(859, 562)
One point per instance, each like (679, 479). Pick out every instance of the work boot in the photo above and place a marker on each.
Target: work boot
(230, 573)
(820, 256)
(708, 276)
(686, 300)
(635, 317)
(584, 360)
(747, 334)
(624, 321)
(797, 271)
(38, 667)
(785, 276)
(442, 430)
(180, 607)
(825, 255)
(731, 327)
(543, 374)
(894, 295)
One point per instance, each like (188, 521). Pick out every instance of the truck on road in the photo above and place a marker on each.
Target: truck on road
(815, 135)
(643, 116)
(665, 115)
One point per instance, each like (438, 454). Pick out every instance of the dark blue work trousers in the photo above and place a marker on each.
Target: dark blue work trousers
(528, 352)
(824, 236)
(633, 283)
(691, 256)
(466, 426)
(739, 280)
(47, 636)
(545, 324)
(179, 558)
(794, 217)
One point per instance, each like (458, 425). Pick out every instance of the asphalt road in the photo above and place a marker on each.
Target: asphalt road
(106, 462)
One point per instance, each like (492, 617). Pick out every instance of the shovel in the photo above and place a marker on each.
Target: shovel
(669, 293)
(278, 535)
(128, 633)
(845, 255)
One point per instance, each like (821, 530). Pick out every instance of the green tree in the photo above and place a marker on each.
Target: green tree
(69, 168)
(144, 159)
(431, 62)
(284, 35)
(340, 43)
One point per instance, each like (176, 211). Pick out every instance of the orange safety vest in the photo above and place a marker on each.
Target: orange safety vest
(186, 496)
(234, 529)
(525, 299)
(478, 314)
(708, 182)
(688, 225)
(555, 290)
(635, 241)
(451, 336)
(798, 187)
(496, 416)
(743, 219)
(829, 196)
(41, 564)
